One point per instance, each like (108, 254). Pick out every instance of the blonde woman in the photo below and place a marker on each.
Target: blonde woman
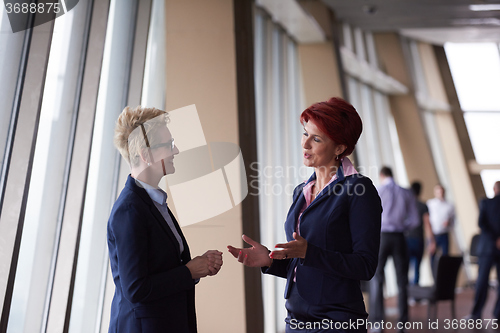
(152, 267)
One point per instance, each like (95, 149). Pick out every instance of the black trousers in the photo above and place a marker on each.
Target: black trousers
(482, 284)
(391, 244)
(339, 318)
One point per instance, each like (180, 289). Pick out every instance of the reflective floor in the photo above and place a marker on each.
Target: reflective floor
(444, 321)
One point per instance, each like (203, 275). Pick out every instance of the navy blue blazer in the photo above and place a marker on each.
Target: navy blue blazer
(154, 289)
(342, 229)
(489, 222)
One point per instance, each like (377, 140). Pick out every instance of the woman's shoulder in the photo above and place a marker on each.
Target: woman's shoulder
(361, 185)
(359, 178)
(128, 204)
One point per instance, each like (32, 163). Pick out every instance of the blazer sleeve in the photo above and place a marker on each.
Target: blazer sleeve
(130, 236)
(365, 211)
(278, 268)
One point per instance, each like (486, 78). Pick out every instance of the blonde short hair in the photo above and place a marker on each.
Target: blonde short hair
(129, 138)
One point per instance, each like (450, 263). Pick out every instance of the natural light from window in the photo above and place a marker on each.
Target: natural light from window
(476, 74)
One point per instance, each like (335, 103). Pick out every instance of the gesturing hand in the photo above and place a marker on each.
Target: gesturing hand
(255, 256)
(293, 249)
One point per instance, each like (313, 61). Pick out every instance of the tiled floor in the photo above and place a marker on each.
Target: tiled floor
(464, 302)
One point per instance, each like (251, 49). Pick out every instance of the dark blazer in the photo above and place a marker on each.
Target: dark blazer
(154, 289)
(489, 222)
(342, 229)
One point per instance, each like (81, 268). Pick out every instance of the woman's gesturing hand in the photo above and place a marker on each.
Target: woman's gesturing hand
(293, 249)
(255, 256)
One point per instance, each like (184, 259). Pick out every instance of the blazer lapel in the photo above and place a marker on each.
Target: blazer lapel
(186, 255)
(156, 213)
(326, 191)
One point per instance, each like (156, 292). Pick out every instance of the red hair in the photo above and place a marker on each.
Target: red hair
(338, 119)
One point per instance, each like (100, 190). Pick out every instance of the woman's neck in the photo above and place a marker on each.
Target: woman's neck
(324, 174)
(145, 177)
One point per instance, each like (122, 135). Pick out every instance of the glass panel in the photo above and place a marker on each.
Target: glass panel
(153, 94)
(278, 102)
(262, 77)
(360, 44)
(383, 114)
(39, 240)
(277, 157)
(484, 133)
(347, 37)
(370, 131)
(353, 87)
(476, 73)
(436, 149)
(489, 177)
(10, 59)
(372, 51)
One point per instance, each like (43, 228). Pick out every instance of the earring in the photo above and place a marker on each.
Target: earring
(337, 158)
(149, 164)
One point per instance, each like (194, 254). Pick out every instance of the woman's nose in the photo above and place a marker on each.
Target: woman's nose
(306, 144)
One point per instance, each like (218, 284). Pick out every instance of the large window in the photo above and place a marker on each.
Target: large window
(476, 73)
(278, 106)
(368, 91)
(33, 283)
(64, 84)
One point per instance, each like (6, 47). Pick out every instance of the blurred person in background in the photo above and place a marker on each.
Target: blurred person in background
(415, 236)
(399, 215)
(441, 216)
(489, 253)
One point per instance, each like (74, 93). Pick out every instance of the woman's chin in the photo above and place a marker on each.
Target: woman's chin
(169, 170)
(308, 163)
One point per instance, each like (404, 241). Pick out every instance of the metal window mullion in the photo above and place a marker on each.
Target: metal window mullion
(20, 151)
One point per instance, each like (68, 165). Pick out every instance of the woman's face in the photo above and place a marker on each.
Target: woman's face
(318, 149)
(163, 151)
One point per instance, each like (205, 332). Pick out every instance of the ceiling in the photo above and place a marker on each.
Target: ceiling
(435, 21)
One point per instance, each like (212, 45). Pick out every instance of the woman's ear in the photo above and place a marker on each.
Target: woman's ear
(145, 155)
(340, 149)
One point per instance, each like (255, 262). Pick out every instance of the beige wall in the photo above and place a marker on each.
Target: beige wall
(320, 74)
(201, 70)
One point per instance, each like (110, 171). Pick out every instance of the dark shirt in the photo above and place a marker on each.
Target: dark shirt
(418, 231)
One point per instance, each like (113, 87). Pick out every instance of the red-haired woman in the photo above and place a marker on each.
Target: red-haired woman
(332, 228)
